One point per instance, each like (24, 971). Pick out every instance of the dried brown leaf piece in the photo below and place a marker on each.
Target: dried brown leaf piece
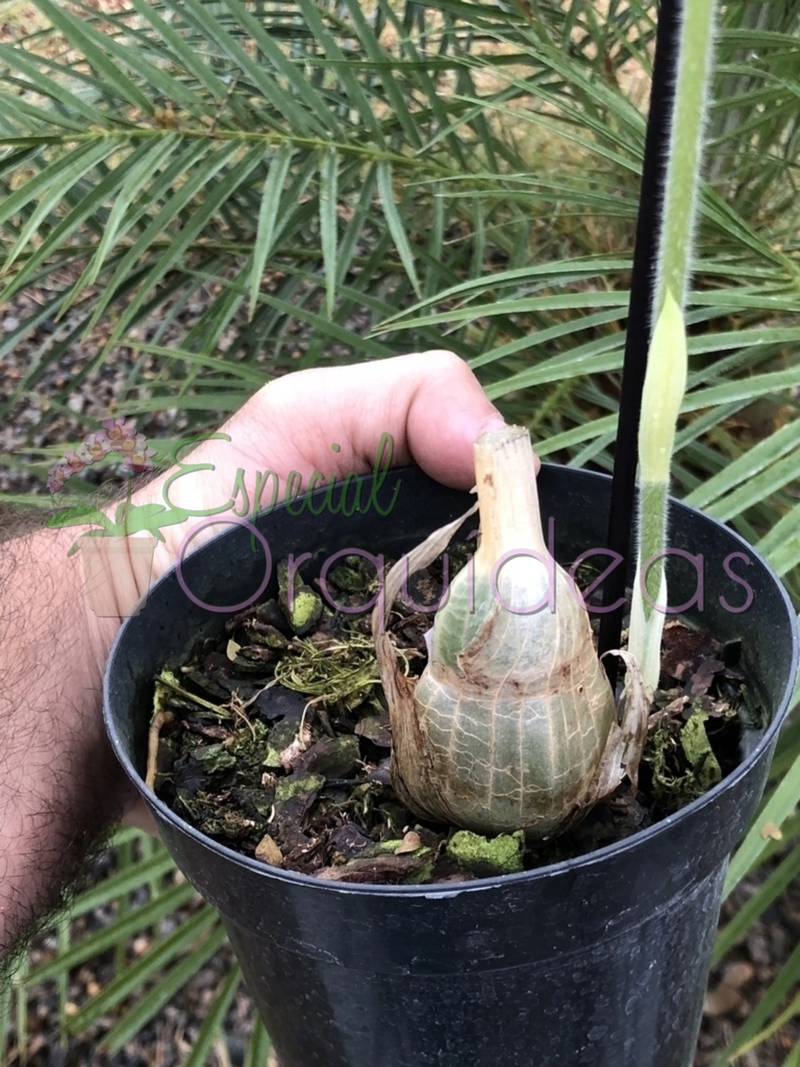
(410, 843)
(375, 728)
(268, 850)
(727, 997)
(291, 756)
(769, 831)
(381, 870)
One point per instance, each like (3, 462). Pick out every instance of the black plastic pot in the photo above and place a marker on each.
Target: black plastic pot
(597, 961)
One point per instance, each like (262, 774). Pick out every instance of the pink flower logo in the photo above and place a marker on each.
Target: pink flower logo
(95, 446)
(118, 431)
(72, 462)
(117, 435)
(131, 445)
(140, 460)
(58, 475)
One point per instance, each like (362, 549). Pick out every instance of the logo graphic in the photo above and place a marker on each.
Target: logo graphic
(117, 437)
(102, 558)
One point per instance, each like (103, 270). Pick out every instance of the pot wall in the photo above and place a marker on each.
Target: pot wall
(597, 961)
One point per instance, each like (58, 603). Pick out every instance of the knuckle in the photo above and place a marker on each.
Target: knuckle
(442, 361)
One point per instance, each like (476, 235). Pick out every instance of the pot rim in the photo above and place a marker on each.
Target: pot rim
(442, 891)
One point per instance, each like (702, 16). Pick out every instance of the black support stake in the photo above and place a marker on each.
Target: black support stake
(645, 258)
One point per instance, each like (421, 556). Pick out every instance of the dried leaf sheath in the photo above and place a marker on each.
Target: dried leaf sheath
(508, 724)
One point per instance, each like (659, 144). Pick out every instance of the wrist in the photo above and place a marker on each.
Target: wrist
(99, 600)
(117, 573)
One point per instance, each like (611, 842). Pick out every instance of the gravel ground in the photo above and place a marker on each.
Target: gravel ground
(738, 983)
(35, 422)
(735, 985)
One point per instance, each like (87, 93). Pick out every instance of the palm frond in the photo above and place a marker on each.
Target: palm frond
(217, 191)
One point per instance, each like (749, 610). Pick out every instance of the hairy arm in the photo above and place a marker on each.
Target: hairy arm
(59, 786)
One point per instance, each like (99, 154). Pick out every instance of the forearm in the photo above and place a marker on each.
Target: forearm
(59, 783)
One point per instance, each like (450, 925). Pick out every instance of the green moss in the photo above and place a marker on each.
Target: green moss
(306, 610)
(340, 673)
(272, 758)
(698, 751)
(213, 758)
(295, 787)
(425, 873)
(301, 605)
(481, 855)
(381, 848)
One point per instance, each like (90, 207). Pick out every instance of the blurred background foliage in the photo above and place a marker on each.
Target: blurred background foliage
(199, 195)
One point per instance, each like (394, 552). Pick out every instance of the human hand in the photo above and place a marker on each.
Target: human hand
(60, 786)
(430, 403)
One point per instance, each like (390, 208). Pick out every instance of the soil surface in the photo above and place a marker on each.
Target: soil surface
(275, 739)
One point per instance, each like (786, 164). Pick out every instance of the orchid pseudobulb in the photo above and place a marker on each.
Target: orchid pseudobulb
(513, 723)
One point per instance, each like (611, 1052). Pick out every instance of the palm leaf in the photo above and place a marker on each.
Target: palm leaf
(331, 182)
